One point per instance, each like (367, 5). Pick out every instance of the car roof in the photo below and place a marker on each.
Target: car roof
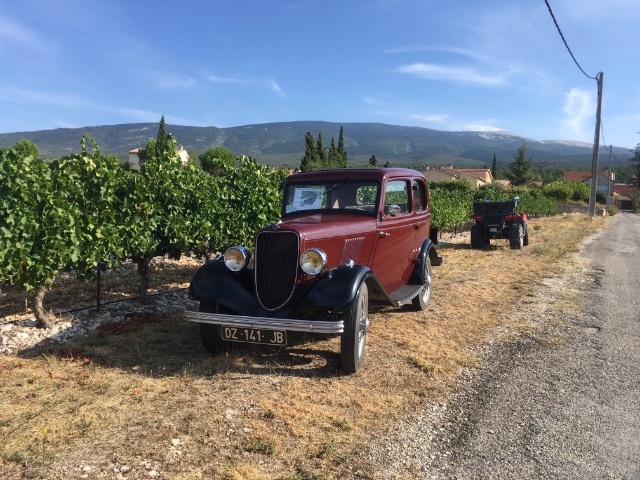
(353, 174)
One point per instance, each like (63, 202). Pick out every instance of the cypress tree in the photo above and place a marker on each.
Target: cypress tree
(162, 140)
(494, 167)
(334, 158)
(310, 160)
(322, 153)
(341, 151)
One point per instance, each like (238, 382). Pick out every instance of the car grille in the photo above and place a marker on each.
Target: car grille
(276, 267)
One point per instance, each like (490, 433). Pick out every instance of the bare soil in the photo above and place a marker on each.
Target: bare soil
(141, 398)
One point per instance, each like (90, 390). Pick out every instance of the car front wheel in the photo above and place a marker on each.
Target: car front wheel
(421, 301)
(356, 325)
(210, 334)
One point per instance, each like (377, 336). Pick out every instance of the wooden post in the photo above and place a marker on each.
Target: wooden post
(596, 151)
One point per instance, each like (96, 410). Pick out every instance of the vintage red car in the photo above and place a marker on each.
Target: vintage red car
(347, 238)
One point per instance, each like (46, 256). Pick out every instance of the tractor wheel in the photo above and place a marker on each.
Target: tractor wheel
(516, 235)
(476, 237)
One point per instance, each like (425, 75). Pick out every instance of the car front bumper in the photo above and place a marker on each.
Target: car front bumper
(267, 323)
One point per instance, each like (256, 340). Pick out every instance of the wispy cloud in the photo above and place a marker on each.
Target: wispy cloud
(449, 73)
(139, 115)
(45, 98)
(174, 81)
(579, 110)
(465, 52)
(273, 85)
(219, 79)
(267, 82)
(12, 33)
(431, 118)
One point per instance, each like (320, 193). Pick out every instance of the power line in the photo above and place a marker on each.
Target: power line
(566, 44)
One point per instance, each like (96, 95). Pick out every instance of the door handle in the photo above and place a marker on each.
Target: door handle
(383, 235)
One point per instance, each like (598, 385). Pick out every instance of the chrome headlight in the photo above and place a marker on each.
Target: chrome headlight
(236, 258)
(313, 261)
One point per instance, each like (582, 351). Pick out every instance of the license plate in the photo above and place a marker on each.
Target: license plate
(254, 335)
(493, 230)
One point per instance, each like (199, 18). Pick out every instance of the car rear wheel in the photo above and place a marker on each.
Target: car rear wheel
(210, 334)
(516, 237)
(421, 301)
(356, 325)
(476, 237)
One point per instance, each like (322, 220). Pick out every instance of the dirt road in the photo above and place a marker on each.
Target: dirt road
(562, 405)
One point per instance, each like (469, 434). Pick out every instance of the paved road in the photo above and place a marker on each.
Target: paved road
(567, 411)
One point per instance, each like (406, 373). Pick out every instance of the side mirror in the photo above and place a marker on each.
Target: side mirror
(394, 210)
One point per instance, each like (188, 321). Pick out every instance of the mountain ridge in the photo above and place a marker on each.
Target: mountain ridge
(283, 143)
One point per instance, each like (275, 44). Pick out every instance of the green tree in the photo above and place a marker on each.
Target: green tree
(635, 161)
(494, 167)
(519, 172)
(373, 161)
(24, 148)
(217, 160)
(333, 160)
(310, 160)
(322, 153)
(162, 139)
(342, 153)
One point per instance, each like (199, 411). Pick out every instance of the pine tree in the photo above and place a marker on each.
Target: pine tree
(373, 161)
(520, 170)
(310, 160)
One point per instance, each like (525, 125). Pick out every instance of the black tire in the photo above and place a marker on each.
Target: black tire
(356, 325)
(516, 236)
(525, 238)
(476, 237)
(210, 334)
(421, 301)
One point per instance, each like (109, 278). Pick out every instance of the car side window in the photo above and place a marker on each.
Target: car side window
(396, 199)
(419, 196)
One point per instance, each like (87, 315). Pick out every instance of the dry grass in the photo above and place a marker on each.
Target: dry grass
(151, 400)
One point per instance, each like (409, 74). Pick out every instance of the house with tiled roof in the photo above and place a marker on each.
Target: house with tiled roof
(476, 176)
(585, 177)
(624, 196)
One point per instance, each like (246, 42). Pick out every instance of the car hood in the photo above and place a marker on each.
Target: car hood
(312, 227)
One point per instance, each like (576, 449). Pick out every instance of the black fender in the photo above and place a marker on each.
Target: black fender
(427, 248)
(337, 289)
(215, 283)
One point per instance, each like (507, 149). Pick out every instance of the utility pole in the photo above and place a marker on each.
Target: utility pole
(596, 151)
(610, 181)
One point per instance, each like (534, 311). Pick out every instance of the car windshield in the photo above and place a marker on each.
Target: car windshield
(348, 196)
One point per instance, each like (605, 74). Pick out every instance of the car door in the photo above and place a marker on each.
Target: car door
(395, 249)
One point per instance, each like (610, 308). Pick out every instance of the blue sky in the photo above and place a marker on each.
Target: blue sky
(447, 65)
